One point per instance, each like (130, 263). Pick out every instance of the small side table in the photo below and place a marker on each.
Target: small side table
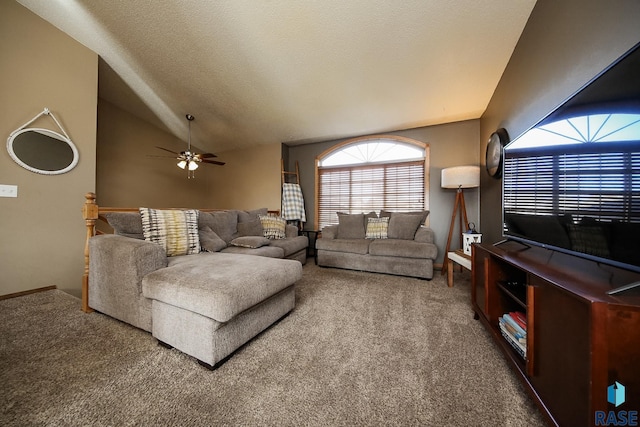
(312, 235)
(459, 258)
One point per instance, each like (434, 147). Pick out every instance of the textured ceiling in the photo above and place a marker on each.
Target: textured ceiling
(258, 72)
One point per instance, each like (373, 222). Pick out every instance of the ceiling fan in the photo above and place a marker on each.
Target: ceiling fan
(189, 160)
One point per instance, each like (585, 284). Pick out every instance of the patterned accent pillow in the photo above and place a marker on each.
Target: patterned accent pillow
(175, 230)
(377, 228)
(273, 226)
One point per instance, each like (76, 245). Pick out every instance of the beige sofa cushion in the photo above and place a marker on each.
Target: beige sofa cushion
(250, 228)
(210, 241)
(128, 224)
(423, 214)
(265, 251)
(356, 246)
(252, 242)
(291, 245)
(402, 248)
(350, 226)
(224, 223)
(403, 226)
(210, 283)
(246, 216)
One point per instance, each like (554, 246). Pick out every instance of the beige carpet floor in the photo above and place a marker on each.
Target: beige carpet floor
(358, 349)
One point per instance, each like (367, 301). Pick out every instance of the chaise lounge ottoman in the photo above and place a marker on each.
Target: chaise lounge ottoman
(209, 305)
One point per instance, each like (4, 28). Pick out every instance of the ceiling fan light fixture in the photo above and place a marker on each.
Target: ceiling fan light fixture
(188, 160)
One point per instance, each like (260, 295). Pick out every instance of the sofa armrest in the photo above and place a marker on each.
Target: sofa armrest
(425, 235)
(117, 265)
(330, 232)
(290, 231)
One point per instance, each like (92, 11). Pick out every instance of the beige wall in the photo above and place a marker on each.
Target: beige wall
(129, 173)
(42, 231)
(249, 180)
(564, 45)
(452, 144)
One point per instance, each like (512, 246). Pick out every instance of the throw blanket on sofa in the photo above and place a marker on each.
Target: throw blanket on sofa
(292, 202)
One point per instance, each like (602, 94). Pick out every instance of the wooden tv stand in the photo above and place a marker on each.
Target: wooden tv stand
(579, 340)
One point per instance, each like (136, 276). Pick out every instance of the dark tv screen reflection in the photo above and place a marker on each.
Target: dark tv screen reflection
(572, 182)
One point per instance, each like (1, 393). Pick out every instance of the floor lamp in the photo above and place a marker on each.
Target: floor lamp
(459, 177)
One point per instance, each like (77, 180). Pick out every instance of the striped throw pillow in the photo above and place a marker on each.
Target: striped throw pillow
(377, 228)
(175, 230)
(273, 226)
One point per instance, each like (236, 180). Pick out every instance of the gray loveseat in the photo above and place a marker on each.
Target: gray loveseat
(207, 303)
(394, 243)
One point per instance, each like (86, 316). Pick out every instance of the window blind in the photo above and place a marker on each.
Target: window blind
(397, 187)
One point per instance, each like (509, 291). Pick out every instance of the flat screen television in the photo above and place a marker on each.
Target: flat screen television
(571, 183)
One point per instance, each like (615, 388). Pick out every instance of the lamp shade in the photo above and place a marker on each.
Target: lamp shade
(461, 177)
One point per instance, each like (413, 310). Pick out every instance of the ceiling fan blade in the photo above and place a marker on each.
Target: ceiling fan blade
(214, 162)
(165, 149)
(207, 155)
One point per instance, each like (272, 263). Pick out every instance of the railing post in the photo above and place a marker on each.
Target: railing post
(90, 215)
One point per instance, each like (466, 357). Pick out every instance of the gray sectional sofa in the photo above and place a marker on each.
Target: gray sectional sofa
(394, 243)
(206, 303)
(229, 231)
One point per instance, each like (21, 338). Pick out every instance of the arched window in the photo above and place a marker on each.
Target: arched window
(370, 174)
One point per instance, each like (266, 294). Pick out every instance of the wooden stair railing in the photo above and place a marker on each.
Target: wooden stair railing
(90, 215)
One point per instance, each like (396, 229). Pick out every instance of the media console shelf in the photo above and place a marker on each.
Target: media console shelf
(579, 339)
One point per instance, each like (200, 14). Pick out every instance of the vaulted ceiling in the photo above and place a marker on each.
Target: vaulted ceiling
(294, 71)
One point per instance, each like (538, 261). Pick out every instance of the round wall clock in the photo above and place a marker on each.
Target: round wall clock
(497, 141)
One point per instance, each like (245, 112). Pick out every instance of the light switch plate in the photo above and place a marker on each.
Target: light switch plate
(8, 190)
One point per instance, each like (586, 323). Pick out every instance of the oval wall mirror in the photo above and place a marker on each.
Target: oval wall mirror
(42, 150)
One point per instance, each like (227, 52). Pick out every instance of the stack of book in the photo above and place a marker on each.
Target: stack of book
(513, 326)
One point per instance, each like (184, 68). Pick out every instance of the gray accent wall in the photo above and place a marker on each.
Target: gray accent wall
(564, 45)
